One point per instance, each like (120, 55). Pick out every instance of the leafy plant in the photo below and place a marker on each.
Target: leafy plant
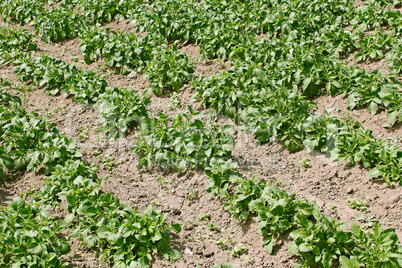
(105, 11)
(120, 110)
(126, 52)
(376, 249)
(168, 69)
(374, 46)
(57, 24)
(278, 213)
(92, 42)
(246, 192)
(84, 132)
(34, 240)
(320, 243)
(30, 141)
(57, 76)
(183, 143)
(21, 11)
(125, 236)
(20, 39)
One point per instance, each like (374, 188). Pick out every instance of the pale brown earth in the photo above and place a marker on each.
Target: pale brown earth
(328, 184)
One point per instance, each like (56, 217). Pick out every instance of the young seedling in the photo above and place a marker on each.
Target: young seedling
(221, 243)
(220, 265)
(212, 227)
(204, 217)
(357, 204)
(198, 236)
(191, 195)
(305, 164)
(248, 260)
(238, 250)
(155, 202)
(61, 110)
(84, 132)
(190, 238)
(74, 58)
(169, 186)
(368, 222)
(108, 162)
(176, 102)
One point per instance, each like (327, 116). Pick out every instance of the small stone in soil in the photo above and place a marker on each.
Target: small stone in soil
(188, 251)
(350, 190)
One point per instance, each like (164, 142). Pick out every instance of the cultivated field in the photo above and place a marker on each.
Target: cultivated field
(193, 133)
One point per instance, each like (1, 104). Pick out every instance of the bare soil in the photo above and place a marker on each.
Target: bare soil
(328, 184)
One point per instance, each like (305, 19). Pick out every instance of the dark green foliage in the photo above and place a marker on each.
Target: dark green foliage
(185, 143)
(120, 110)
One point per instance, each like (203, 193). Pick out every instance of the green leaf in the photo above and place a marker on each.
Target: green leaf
(20, 163)
(374, 173)
(103, 232)
(292, 248)
(373, 107)
(355, 229)
(349, 263)
(8, 162)
(269, 247)
(306, 83)
(377, 229)
(176, 227)
(69, 218)
(392, 116)
(172, 255)
(63, 247)
(304, 247)
(182, 166)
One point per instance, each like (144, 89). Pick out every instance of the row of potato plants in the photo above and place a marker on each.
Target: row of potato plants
(165, 67)
(30, 236)
(103, 11)
(17, 48)
(279, 112)
(100, 220)
(306, 40)
(312, 60)
(51, 25)
(272, 111)
(301, 67)
(67, 20)
(119, 109)
(224, 153)
(220, 26)
(187, 142)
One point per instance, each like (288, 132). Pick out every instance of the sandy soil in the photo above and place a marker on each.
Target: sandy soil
(328, 184)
